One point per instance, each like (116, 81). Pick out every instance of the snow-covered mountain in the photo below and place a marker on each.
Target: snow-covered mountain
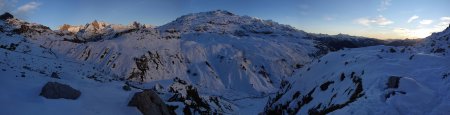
(209, 62)
(371, 80)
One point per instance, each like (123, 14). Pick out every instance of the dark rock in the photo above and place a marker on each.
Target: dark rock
(411, 57)
(325, 85)
(187, 111)
(142, 66)
(439, 50)
(55, 90)
(11, 47)
(22, 29)
(149, 103)
(240, 33)
(393, 93)
(296, 94)
(356, 94)
(126, 88)
(55, 75)
(195, 103)
(393, 82)
(342, 77)
(6, 16)
(392, 50)
(298, 66)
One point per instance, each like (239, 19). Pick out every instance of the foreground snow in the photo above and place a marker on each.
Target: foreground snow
(22, 80)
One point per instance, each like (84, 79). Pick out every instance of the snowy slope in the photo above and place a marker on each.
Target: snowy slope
(372, 80)
(244, 53)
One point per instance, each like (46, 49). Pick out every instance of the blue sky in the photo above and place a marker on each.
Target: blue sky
(371, 18)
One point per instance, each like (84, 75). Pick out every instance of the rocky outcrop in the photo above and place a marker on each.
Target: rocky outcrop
(149, 103)
(55, 90)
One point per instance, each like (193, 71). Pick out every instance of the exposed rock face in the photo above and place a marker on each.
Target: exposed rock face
(6, 16)
(393, 82)
(22, 29)
(149, 103)
(64, 27)
(55, 90)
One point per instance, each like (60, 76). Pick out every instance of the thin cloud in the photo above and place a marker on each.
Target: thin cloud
(328, 18)
(380, 21)
(304, 9)
(426, 22)
(445, 18)
(414, 33)
(304, 13)
(445, 22)
(23, 11)
(7, 5)
(413, 18)
(28, 7)
(304, 6)
(384, 5)
(423, 31)
(363, 21)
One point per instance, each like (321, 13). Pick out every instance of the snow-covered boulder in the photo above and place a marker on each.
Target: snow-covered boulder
(55, 90)
(149, 103)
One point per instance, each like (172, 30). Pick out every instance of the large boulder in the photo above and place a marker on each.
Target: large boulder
(149, 103)
(55, 90)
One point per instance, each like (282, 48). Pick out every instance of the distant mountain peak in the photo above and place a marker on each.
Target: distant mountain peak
(208, 15)
(214, 13)
(65, 27)
(6, 16)
(219, 12)
(95, 24)
(222, 21)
